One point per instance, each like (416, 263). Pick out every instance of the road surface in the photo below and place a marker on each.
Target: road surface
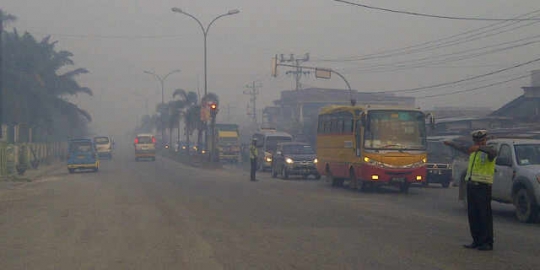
(164, 215)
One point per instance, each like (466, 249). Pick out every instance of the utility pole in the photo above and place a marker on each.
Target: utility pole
(298, 72)
(253, 92)
(1, 75)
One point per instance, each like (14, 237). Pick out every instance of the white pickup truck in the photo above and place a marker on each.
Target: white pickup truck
(517, 176)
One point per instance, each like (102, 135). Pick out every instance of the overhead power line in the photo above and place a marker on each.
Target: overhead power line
(446, 58)
(453, 40)
(106, 36)
(463, 80)
(433, 16)
(476, 88)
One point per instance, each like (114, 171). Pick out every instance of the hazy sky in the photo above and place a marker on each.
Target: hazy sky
(118, 39)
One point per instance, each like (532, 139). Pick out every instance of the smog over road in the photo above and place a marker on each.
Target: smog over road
(128, 127)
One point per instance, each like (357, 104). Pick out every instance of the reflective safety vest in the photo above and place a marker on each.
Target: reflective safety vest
(480, 168)
(253, 152)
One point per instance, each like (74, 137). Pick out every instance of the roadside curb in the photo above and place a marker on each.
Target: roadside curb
(42, 171)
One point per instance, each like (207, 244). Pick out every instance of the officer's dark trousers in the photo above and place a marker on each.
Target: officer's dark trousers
(253, 168)
(479, 209)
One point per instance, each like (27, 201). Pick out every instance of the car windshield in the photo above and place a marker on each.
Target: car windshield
(528, 154)
(272, 141)
(101, 140)
(439, 149)
(298, 149)
(80, 147)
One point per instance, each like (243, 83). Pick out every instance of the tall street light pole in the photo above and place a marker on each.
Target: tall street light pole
(205, 35)
(162, 82)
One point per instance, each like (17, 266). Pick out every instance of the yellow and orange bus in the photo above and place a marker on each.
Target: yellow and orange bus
(372, 145)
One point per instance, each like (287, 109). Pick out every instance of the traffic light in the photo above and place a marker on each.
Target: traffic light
(213, 109)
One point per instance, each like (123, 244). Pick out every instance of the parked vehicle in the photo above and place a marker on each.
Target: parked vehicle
(104, 145)
(145, 147)
(82, 154)
(517, 176)
(294, 158)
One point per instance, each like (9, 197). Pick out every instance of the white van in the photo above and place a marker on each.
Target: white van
(104, 146)
(145, 147)
(267, 141)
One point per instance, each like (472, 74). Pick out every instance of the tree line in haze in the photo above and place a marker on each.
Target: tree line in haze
(36, 87)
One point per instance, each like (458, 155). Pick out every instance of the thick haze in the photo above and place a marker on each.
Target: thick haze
(117, 39)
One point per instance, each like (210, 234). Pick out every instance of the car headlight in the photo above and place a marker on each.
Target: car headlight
(315, 161)
(289, 160)
(268, 159)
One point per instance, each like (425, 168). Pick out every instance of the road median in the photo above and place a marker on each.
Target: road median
(193, 160)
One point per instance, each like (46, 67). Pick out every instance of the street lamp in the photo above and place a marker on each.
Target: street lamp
(162, 82)
(205, 34)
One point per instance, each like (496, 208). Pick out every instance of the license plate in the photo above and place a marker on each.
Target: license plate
(399, 180)
(81, 157)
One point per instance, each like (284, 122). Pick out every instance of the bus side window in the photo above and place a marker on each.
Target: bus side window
(348, 125)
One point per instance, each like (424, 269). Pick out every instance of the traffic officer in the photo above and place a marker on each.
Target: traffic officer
(479, 179)
(253, 154)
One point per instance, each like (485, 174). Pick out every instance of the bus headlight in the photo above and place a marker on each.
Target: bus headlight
(373, 162)
(289, 161)
(315, 161)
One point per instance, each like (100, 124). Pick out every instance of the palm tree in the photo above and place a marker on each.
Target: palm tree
(36, 93)
(4, 19)
(186, 100)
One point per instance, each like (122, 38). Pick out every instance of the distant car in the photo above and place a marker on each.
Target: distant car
(439, 161)
(145, 147)
(104, 145)
(183, 147)
(294, 158)
(82, 155)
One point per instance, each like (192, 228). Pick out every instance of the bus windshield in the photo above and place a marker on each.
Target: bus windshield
(395, 130)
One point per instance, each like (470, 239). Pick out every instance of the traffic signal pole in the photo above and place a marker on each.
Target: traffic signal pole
(213, 113)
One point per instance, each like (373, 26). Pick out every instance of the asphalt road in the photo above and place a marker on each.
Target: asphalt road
(163, 215)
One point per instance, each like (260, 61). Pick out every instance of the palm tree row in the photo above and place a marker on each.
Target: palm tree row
(184, 107)
(35, 92)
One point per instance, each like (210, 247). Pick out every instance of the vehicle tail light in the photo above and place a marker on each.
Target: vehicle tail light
(153, 139)
(136, 141)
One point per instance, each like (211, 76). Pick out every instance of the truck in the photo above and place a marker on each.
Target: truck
(228, 142)
(517, 176)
